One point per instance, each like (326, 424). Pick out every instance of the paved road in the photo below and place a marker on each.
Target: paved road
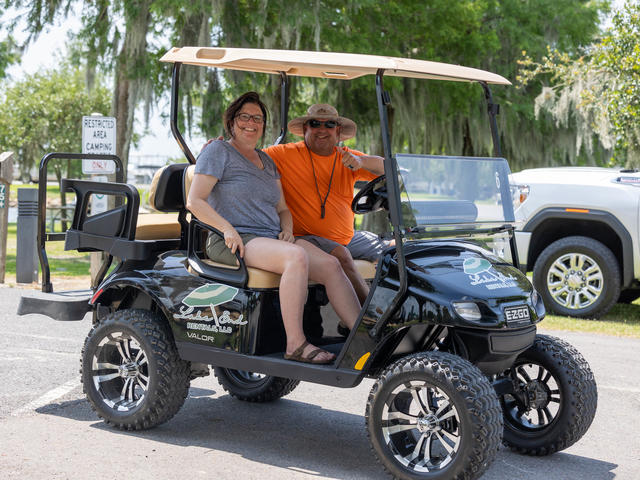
(47, 429)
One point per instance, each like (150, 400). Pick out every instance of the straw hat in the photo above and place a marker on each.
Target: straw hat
(322, 111)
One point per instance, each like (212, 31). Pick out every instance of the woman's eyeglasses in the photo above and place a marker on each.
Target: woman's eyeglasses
(327, 123)
(245, 117)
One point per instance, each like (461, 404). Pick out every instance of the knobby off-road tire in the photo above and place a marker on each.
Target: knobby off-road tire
(253, 387)
(131, 372)
(434, 415)
(560, 398)
(578, 277)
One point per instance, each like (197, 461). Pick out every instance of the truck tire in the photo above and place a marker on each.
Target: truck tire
(253, 387)
(577, 277)
(555, 400)
(131, 372)
(434, 416)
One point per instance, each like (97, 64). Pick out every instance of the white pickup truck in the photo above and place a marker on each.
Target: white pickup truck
(578, 232)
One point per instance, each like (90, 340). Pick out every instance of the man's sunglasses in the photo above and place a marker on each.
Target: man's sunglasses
(327, 123)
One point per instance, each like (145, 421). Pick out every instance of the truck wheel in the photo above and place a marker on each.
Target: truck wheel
(131, 372)
(578, 277)
(434, 415)
(253, 387)
(555, 399)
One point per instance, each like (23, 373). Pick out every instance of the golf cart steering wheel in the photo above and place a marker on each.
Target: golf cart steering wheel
(371, 197)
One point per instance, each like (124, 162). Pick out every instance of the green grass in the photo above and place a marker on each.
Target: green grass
(61, 262)
(623, 320)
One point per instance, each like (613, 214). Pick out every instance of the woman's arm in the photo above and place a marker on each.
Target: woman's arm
(198, 205)
(286, 221)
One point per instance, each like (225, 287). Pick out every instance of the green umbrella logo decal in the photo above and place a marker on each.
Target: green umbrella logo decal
(210, 295)
(474, 266)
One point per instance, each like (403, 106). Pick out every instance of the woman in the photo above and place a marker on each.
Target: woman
(236, 189)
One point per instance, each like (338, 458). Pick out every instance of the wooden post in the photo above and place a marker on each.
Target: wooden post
(6, 177)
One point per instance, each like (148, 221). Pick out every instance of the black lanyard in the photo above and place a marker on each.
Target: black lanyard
(322, 202)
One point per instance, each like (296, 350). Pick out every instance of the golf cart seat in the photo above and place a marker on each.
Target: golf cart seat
(258, 278)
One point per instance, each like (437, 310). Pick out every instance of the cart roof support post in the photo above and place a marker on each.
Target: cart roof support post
(395, 208)
(175, 88)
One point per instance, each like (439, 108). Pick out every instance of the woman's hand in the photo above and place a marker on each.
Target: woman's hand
(233, 241)
(287, 236)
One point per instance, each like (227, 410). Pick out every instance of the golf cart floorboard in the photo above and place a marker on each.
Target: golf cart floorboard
(273, 364)
(68, 305)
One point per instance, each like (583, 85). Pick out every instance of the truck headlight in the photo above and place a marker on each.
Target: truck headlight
(467, 310)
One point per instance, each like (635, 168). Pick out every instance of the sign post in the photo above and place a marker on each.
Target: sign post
(6, 177)
(98, 136)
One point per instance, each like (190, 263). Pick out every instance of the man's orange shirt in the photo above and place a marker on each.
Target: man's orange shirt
(299, 187)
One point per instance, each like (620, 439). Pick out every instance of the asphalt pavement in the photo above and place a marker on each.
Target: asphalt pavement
(48, 430)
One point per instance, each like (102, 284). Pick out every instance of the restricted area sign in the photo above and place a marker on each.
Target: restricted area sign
(98, 136)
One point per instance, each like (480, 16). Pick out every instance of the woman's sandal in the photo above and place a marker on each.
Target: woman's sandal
(296, 356)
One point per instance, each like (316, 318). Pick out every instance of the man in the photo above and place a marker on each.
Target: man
(318, 179)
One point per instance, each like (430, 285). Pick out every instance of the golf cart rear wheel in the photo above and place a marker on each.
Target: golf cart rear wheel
(434, 416)
(253, 387)
(131, 372)
(555, 398)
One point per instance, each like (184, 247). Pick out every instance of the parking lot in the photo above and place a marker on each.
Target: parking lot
(49, 431)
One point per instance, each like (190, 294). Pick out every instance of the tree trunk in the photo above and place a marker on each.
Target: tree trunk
(129, 77)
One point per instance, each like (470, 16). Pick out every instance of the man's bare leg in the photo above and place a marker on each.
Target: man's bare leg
(352, 273)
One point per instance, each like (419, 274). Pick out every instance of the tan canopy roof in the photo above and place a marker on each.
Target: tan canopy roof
(325, 64)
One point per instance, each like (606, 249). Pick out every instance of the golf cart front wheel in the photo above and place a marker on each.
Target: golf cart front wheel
(434, 416)
(131, 372)
(253, 387)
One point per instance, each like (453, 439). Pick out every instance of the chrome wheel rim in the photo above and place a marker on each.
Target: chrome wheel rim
(538, 401)
(245, 377)
(421, 427)
(120, 371)
(575, 281)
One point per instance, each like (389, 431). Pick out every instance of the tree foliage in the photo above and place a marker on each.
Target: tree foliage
(43, 113)
(598, 92)
(125, 38)
(9, 54)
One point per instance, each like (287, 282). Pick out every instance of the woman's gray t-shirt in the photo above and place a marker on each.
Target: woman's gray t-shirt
(244, 195)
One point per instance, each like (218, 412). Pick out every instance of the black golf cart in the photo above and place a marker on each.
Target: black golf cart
(448, 330)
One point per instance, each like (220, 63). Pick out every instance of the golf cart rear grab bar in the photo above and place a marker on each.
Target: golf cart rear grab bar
(42, 203)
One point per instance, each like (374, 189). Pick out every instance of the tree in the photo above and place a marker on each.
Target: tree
(43, 113)
(599, 92)
(9, 54)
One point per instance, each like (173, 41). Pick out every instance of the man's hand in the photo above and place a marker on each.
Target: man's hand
(351, 161)
(209, 141)
(286, 236)
(233, 241)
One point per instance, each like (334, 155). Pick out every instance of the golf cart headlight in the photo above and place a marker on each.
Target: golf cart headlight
(467, 310)
(534, 297)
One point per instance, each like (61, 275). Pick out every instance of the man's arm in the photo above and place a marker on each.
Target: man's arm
(371, 163)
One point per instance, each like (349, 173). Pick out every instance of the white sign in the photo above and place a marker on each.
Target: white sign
(98, 136)
(99, 201)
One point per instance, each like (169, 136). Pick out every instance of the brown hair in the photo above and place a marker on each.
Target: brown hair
(233, 109)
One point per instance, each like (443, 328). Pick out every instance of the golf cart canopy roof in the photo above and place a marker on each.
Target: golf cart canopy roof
(344, 66)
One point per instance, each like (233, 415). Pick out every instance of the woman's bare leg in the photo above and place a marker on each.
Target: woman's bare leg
(326, 269)
(291, 262)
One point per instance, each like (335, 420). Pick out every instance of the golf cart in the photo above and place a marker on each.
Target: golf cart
(448, 330)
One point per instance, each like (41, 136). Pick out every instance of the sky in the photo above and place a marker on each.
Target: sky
(42, 54)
